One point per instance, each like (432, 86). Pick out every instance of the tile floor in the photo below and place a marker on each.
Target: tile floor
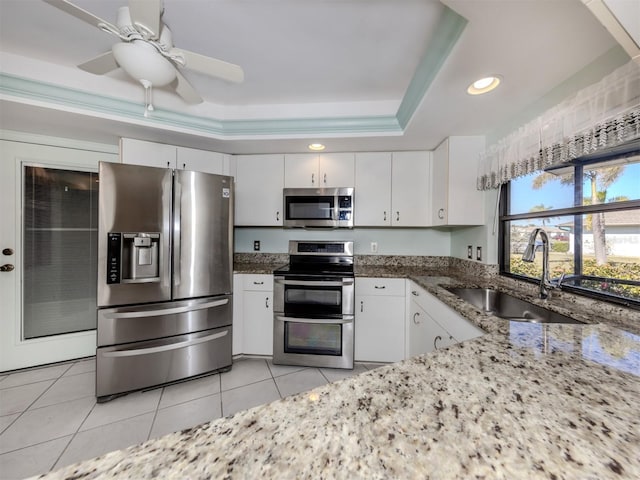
(49, 417)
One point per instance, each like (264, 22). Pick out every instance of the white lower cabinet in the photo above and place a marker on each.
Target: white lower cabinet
(256, 314)
(379, 319)
(433, 325)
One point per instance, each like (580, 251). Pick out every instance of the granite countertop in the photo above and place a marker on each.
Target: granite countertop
(523, 401)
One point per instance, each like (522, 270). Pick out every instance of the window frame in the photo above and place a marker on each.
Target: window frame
(504, 237)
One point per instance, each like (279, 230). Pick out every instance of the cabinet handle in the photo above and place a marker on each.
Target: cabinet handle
(313, 178)
(435, 341)
(168, 164)
(362, 306)
(277, 216)
(184, 166)
(266, 302)
(414, 292)
(397, 216)
(325, 179)
(414, 318)
(258, 283)
(381, 287)
(441, 213)
(384, 216)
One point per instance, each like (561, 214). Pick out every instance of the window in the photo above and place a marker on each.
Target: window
(591, 214)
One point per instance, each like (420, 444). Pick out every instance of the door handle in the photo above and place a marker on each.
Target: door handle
(266, 302)
(7, 267)
(325, 178)
(7, 251)
(384, 216)
(167, 311)
(397, 216)
(277, 216)
(414, 318)
(435, 341)
(379, 287)
(361, 306)
(313, 179)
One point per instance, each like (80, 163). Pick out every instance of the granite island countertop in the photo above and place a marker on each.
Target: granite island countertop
(523, 401)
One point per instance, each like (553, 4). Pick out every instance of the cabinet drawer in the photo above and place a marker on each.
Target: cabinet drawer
(380, 286)
(257, 282)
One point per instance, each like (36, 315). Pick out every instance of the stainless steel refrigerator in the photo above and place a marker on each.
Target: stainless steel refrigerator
(165, 256)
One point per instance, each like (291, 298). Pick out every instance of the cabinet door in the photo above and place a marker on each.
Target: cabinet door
(259, 183)
(301, 170)
(199, 160)
(379, 328)
(337, 169)
(372, 189)
(410, 189)
(150, 154)
(257, 311)
(465, 201)
(439, 184)
(425, 335)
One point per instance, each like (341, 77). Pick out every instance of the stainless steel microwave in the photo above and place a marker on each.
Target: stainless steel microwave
(318, 207)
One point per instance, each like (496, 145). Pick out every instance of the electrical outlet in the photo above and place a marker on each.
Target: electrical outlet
(470, 252)
(374, 247)
(478, 253)
(256, 245)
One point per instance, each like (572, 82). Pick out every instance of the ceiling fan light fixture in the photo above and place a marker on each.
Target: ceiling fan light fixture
(484, 85)
(143, 62)
(316, 147)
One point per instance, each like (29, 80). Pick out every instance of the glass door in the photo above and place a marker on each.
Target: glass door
(49, 224)
(60, 213)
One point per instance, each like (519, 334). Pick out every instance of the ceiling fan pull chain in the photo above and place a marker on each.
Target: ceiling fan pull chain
(148, 97)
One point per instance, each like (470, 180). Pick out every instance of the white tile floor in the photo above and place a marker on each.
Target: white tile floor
(49, 417)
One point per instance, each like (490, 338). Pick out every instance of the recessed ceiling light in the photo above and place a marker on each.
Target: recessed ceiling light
(483, 85)
(316, 147)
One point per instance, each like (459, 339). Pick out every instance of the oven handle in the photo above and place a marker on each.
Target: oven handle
(314, 283)
(345, 319)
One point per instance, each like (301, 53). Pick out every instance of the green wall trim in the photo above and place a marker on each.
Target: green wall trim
(444, 38)
(64, 97)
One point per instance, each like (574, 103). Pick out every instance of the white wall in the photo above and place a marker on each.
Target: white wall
(483, 236)
(391, 241)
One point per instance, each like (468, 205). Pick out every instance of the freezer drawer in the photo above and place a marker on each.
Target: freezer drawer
(138, 365)
(157, 320)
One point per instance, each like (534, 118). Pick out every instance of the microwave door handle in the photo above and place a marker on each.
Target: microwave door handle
(314, 283)
(328, 321)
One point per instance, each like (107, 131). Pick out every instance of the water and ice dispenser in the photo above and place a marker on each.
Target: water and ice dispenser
(133, 257)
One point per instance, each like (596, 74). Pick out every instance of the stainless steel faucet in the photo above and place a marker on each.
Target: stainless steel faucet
(530, 254)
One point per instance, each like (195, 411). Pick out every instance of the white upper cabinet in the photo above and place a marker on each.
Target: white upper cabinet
(455, 198)
(373, 189)
(393, 189)
(151, 154)
(337, 169)
(200, 160)
(410, 189)
(259, 183)
(310, 170)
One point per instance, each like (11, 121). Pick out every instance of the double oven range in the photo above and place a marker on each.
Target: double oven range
(314, 305)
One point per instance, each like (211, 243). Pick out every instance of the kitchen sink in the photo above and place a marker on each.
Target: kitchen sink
(508, 307)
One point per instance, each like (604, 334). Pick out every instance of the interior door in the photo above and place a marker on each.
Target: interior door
(22, 285)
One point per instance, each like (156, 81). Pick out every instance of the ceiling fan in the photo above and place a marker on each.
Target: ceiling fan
(146, 52)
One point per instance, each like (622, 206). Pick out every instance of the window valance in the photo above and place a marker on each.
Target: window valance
(601, 116)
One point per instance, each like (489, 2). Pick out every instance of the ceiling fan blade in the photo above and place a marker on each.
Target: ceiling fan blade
(100, 65)
(209, 66)
(186, 90)
(83, 15)
(145, 15)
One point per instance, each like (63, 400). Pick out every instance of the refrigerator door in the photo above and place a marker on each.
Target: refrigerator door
(134, 234)
(202, 233)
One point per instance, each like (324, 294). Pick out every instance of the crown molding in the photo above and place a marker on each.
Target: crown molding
(36, 92)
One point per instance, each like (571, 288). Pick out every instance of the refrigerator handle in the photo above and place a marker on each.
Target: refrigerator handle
(164, 348)
(167, 311)
(177, 229)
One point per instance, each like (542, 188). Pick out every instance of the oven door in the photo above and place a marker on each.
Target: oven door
(313, 296)
(315, 342)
